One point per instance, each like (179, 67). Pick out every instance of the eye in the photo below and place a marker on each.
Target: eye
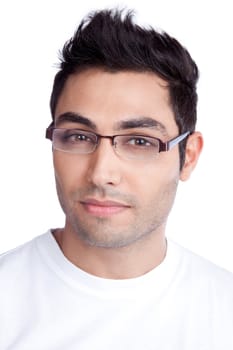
(140, 141)
(76, 136)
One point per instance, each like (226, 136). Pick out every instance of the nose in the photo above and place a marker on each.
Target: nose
(104, 167)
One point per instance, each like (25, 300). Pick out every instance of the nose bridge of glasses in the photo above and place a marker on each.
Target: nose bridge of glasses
(107, 148)
(100, 137)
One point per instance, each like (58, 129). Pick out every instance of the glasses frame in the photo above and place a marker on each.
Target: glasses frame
(163, 146)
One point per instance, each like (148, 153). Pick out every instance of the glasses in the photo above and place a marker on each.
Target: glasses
(139, 147)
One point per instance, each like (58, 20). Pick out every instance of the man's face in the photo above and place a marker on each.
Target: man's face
(110, 201)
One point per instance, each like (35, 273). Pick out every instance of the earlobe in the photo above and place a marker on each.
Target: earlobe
(194, 146)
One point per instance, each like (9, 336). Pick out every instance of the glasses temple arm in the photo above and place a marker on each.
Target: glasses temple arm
(177, 140)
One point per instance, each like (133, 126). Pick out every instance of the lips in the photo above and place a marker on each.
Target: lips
(103, 208)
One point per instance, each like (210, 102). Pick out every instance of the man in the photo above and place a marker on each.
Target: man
(123, 134)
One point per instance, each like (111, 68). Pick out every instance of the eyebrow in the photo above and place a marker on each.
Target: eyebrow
(75, 118)
(142, 122)
(139, 122)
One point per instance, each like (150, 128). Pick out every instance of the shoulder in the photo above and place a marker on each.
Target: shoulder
(20, 258)
(20, 270)
(202, 272)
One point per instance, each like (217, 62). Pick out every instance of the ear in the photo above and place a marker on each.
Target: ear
(194, 146)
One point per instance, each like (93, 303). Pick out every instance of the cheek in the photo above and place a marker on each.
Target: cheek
(155, 179)
(158, 172)
(69, 171)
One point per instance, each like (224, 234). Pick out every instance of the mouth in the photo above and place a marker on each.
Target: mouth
(103, 208)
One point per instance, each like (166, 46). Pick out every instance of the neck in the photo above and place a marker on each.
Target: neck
(114, 263)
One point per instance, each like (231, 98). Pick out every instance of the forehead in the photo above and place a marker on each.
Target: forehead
(108, 98)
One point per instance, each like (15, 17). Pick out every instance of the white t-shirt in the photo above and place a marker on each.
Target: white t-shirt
(47, 303)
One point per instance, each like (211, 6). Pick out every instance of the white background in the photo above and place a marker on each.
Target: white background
(31, 33)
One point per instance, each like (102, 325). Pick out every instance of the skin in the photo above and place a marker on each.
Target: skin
(126, 238)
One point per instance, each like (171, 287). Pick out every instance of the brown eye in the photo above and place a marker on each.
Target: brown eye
(76, 137)
(138, 141)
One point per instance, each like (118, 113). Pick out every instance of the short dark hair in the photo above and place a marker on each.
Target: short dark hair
(110, 40)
